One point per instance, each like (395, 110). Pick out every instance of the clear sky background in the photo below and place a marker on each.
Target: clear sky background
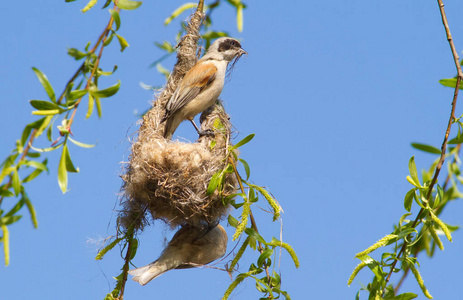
(335, 92)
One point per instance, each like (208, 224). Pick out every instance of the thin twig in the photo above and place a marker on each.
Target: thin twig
(447, 132)
(251, 216)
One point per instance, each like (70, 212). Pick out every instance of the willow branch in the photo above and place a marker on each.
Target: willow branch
(447, 132)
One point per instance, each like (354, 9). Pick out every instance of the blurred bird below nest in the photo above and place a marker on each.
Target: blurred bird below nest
(190, 247)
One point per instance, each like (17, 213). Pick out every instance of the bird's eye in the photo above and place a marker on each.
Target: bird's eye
(233, 43)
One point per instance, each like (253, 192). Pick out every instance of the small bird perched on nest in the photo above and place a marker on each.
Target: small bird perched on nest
(201, 86)
(190, 246)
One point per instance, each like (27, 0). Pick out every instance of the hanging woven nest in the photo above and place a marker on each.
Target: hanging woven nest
(168, 180)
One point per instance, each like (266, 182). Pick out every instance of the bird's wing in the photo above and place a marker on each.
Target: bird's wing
(196, 80)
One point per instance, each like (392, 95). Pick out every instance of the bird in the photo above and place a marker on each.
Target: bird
(190, 246)
(201, 86)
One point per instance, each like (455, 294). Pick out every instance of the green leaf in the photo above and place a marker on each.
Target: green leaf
(98, 106)
(215, 180)
(456, 140)
(89, 5)
(9, 220)
(409, 199)
(426, 148)
(166, 46)
(106, 92)
(62, 172)
(243, 141)
(65, 166)
(122, 42)
(46, 149)
(76, 94)
(83, 145)
(264, 256)
(252, 233)
(43, 105)
(73, 52)
(246, 167)
(439, 196)
(178, 11)
(127, 4)
(106, 3)
(232, 221)
(117, 19)
(36, 172)
(108, 39)
(5, 193)
(91, 104)
(45, 83)
(450, 82)
(31, 209)
(163, 70)
(413, 171)
(15, 208)
(404, 296)
(47, 112)
(16, 182)
(239, 17)
(6, 244)
(36, 165)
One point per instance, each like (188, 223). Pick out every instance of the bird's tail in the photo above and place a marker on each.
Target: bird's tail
(147, 273)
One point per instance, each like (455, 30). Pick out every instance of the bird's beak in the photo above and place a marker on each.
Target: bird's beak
(242, 52)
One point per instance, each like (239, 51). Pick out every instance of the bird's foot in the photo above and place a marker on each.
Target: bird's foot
(207, 132)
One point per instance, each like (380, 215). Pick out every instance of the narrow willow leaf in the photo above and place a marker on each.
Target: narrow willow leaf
(122, 42)
(31, 209)
(76, 94)
(426, 148)
(127, 4)
(69, 165)
(98, 106)
(36, 165)
(62, 172)
(47, 149)
(409, 199)
(47, 112)
(239, 17)
(266, 254)
(10, 220)
(246, 167)
(178, 11)
(117, 19)
(43, 105)
(214, 183)
(89, 5)
(232, 221)
(413, 171)
(16, 182)
(243, 141)
(450, 82)
(254, 234)
(5, 193)
(108, 39)
(15, 208)
(107, 92)
(163, 70)
(6, 244)
(80, 144)
(91, 104)
(45, 83)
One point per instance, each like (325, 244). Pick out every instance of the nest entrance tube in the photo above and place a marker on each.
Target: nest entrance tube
(168, 180)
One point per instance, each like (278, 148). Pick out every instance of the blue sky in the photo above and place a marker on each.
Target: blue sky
(335, 92)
